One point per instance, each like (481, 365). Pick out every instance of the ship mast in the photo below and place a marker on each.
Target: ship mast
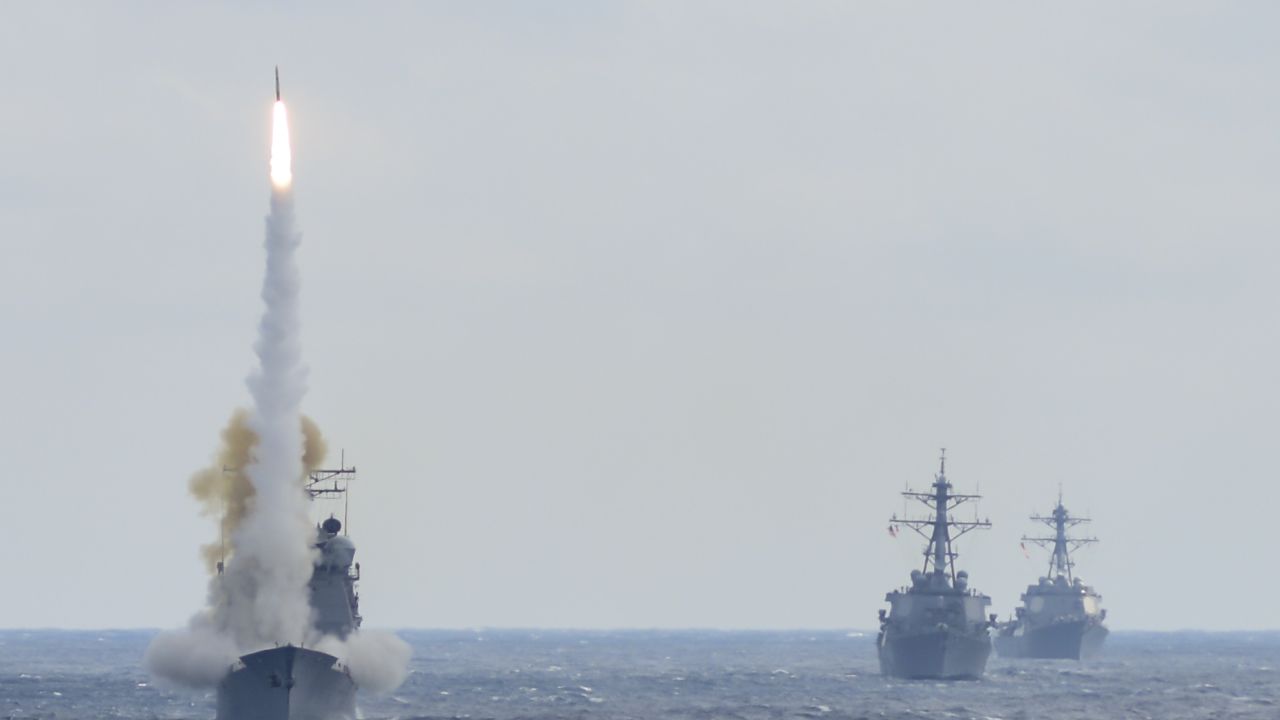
(1061, 545)
(939, 554)
(331, 484)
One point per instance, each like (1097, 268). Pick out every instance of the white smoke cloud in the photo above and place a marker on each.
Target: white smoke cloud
(378, 661)
(195, 657)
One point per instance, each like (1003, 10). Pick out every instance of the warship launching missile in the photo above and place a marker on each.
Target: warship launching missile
(280, 638)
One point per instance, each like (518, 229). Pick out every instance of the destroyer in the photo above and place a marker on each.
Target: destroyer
(299, 683)
(937, 626)
(1059, 617)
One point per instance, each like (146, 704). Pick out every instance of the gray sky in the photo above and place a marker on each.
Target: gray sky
(642, 314)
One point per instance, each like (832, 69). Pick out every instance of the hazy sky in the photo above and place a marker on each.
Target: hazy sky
(642, 314)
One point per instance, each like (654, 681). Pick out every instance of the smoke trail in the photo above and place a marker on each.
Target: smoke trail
(262, 598)
(266, 581)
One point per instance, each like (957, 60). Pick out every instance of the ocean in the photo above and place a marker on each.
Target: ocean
(700, 675)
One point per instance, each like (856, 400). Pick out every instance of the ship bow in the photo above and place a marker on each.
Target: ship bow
(287, 683)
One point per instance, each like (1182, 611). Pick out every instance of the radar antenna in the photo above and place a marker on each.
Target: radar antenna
(331, 484)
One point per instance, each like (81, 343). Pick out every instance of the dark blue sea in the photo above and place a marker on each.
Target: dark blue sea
(699, 675)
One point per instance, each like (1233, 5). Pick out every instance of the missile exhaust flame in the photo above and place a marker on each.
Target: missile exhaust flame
(281, 152)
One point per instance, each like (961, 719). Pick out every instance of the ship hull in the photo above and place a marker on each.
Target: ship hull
(1071, 640)
(287, 683)
(934, 654)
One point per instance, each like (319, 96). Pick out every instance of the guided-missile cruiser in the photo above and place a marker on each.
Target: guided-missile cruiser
(277, 83)
(1060, 616)
(290, 682)
(937, 626)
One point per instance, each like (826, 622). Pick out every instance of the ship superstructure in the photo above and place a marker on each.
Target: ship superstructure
(333, 582)
(936, 627)
(298, 683)
(1060, 616)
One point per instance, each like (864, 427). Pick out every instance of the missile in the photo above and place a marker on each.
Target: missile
(277, 83)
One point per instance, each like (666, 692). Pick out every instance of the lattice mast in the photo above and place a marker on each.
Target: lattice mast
(1061, 546)
(332, 484)
(940, 529)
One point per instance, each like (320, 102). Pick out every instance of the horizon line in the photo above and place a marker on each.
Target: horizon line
(632, 629)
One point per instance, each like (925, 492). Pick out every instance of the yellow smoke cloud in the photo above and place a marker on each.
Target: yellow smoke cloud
(224, 490)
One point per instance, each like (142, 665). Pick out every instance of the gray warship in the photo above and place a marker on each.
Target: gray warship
(937, 626)
(290, 682)
(1060, 617)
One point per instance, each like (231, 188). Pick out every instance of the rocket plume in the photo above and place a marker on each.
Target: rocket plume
(266, 580)
(262, 598)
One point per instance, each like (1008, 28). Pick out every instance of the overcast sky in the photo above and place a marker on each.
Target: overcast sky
(643, 314)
